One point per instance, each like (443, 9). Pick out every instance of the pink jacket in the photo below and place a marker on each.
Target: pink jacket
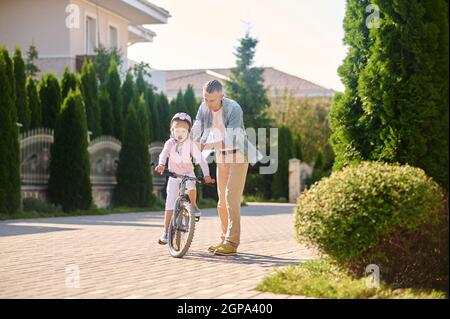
(180, 157)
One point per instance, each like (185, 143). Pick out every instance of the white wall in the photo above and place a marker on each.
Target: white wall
(43, 23)
(24, 22)
(104, 20)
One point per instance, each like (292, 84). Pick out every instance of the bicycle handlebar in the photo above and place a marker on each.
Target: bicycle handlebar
(199, 179)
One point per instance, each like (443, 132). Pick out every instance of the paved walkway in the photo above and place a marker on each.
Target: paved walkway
(117, 256)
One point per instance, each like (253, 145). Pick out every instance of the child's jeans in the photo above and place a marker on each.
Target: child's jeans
(173, 190)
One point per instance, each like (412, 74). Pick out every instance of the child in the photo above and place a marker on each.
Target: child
(180, 149)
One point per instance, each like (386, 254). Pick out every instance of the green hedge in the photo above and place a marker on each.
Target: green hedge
(31, 204)
(385, 214)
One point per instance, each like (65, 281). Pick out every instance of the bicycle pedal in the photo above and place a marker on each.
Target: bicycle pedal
(197, 218)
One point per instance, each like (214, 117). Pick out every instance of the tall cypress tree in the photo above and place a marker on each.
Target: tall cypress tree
(173, 107)
(190, 102)
(134, 185)
(50, 96)
(34, 103)
(141, 85)
(178, 104)
(247, 84)
(68, 82)
(69, 182)
(23, 110)
(129, 93)
(280, 185)
(9, 139)
(144, 119)
(164, 116)
(115, 95)
(153, 112)
(395, 104)
(348, 137)
(89, 89)
(404, 86)
(107, 119)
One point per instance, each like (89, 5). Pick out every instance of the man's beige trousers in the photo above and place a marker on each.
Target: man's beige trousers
(231, 174)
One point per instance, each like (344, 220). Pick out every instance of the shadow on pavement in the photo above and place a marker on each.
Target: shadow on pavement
(16, 230)
(244, 258)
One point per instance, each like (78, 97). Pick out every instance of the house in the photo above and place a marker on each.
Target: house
(66, 31)
(275, 81)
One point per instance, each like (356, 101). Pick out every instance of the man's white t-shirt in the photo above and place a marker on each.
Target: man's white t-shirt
(219, 128)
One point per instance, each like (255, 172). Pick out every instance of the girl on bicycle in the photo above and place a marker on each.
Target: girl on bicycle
(180, 149)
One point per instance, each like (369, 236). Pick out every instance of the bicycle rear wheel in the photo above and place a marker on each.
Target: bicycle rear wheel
(181, 230)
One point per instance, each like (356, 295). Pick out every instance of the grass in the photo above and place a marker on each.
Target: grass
(156, 207)
(320, 279)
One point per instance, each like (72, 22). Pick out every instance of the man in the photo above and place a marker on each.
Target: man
(219, 125)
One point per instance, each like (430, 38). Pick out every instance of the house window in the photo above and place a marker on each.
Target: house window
(91, 35)
(113, 37)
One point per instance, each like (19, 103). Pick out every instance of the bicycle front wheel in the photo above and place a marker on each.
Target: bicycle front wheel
(181, 230)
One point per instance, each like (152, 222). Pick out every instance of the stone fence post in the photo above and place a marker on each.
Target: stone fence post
(294, 180)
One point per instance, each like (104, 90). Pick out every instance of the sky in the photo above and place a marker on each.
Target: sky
(299, 37)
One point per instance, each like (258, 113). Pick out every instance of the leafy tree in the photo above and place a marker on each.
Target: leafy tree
(102, 62)
(247, 84)
(32, 69)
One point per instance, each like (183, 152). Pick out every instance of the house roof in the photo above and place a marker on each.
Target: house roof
(138, 33)
(274, 80)
(138, 12)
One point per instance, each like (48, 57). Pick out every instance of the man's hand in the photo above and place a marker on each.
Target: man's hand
(212, 146)
(209, 180)
(160, 169)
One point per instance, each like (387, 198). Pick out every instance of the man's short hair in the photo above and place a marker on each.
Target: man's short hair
(213, 86)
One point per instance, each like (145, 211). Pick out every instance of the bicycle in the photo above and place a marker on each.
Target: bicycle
(182, 225)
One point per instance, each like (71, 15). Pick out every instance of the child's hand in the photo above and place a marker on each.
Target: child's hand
(209, 180)
(160, 169)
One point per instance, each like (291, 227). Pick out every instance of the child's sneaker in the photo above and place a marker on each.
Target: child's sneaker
(163, 239)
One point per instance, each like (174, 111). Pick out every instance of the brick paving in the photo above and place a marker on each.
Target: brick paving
(117, 256)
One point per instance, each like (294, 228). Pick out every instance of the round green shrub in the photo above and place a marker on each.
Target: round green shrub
(376, 213)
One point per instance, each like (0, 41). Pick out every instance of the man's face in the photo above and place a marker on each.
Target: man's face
(213, 100)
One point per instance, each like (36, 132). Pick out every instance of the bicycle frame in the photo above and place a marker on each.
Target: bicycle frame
(178, 224)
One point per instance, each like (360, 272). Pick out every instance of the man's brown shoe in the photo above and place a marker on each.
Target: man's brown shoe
(213, 248)
(225, 250)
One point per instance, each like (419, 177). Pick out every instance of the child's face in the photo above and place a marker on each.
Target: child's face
(180, 130)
